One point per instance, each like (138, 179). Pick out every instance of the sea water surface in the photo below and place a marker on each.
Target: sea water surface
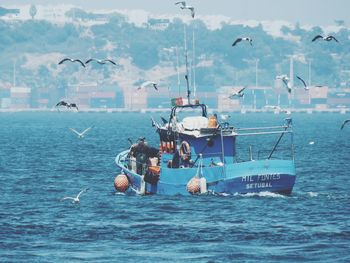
(41, 161)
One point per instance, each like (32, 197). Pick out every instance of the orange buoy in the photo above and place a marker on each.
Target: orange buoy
(193, 186)
(121, 183)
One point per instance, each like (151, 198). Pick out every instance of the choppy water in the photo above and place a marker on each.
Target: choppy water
(41, 161)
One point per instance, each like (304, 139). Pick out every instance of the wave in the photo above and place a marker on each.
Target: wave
(261, 194)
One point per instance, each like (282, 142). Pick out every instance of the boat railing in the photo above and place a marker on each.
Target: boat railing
(275, 145)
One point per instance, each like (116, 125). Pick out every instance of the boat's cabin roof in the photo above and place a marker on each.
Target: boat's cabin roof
(192, 119)
(189, 109)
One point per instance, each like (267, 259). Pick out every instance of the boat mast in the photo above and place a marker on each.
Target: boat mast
(186, 59)
(193, 62)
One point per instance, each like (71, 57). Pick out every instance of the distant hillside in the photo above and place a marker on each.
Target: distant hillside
(148, 51)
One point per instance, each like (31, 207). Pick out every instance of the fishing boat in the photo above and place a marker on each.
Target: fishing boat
(198, 154)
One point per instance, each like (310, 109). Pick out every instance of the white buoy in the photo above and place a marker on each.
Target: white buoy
(203, 185)
(142, 186)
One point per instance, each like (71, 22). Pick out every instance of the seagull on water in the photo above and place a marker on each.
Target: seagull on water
(243, 39)
(185, 6)
(304, 83)
(81, 134)
(71, 60)
(285, 80)
(75, 199)
(148, 83)
(326, 38)
(238, 93)
(277, 108)
(344, 123)
(101, 61)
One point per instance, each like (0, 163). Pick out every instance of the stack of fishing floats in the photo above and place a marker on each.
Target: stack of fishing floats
(121, 183)
(167, 147)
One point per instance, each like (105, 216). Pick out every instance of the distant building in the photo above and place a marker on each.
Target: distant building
(8, 12)
(158, 24)
(20, 97)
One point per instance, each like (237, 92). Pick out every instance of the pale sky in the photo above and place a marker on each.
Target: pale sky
(314, 12)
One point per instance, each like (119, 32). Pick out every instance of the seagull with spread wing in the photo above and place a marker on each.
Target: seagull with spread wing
(326, 38)
(75, 199)
(148, 83)
(73, 105)
(243, 39)
(344, 123)
(62, 103)
(185, 6)
(285, 80)
(81, 134)
(71, 60)
(304, 83)
(101, 61)
(238, 93)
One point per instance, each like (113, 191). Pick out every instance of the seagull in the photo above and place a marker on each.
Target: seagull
(326, 38)
(183, 3)
(192, 10)
(241, 39)
(238, 93)
(285, 80)
(344, 123)
(62, 103)
(100, 61)
(277, 108)
(72, 60)
(185, 6)
(224, 117)
(81, 134)
(304, 83)
(73, 105)
(148, 83)
(75, 199)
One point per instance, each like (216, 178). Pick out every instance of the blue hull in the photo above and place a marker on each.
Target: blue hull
(276, 176)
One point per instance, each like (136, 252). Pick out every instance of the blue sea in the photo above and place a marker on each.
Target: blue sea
(42, 161)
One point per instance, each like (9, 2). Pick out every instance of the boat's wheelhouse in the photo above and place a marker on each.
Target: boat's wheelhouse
(190, 125)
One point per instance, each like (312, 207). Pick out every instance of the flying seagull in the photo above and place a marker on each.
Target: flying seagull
(192, 10)
(75, 199)
(81, 134)
(148, 83)
(238, 93)
(71, 60)
(285, 80)
(243, 39)
(62, 103)
(101, 61)
(277, 108)
(326, 38)
(73, 105)
(344, 123)
(304, 83)
(185, 6)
